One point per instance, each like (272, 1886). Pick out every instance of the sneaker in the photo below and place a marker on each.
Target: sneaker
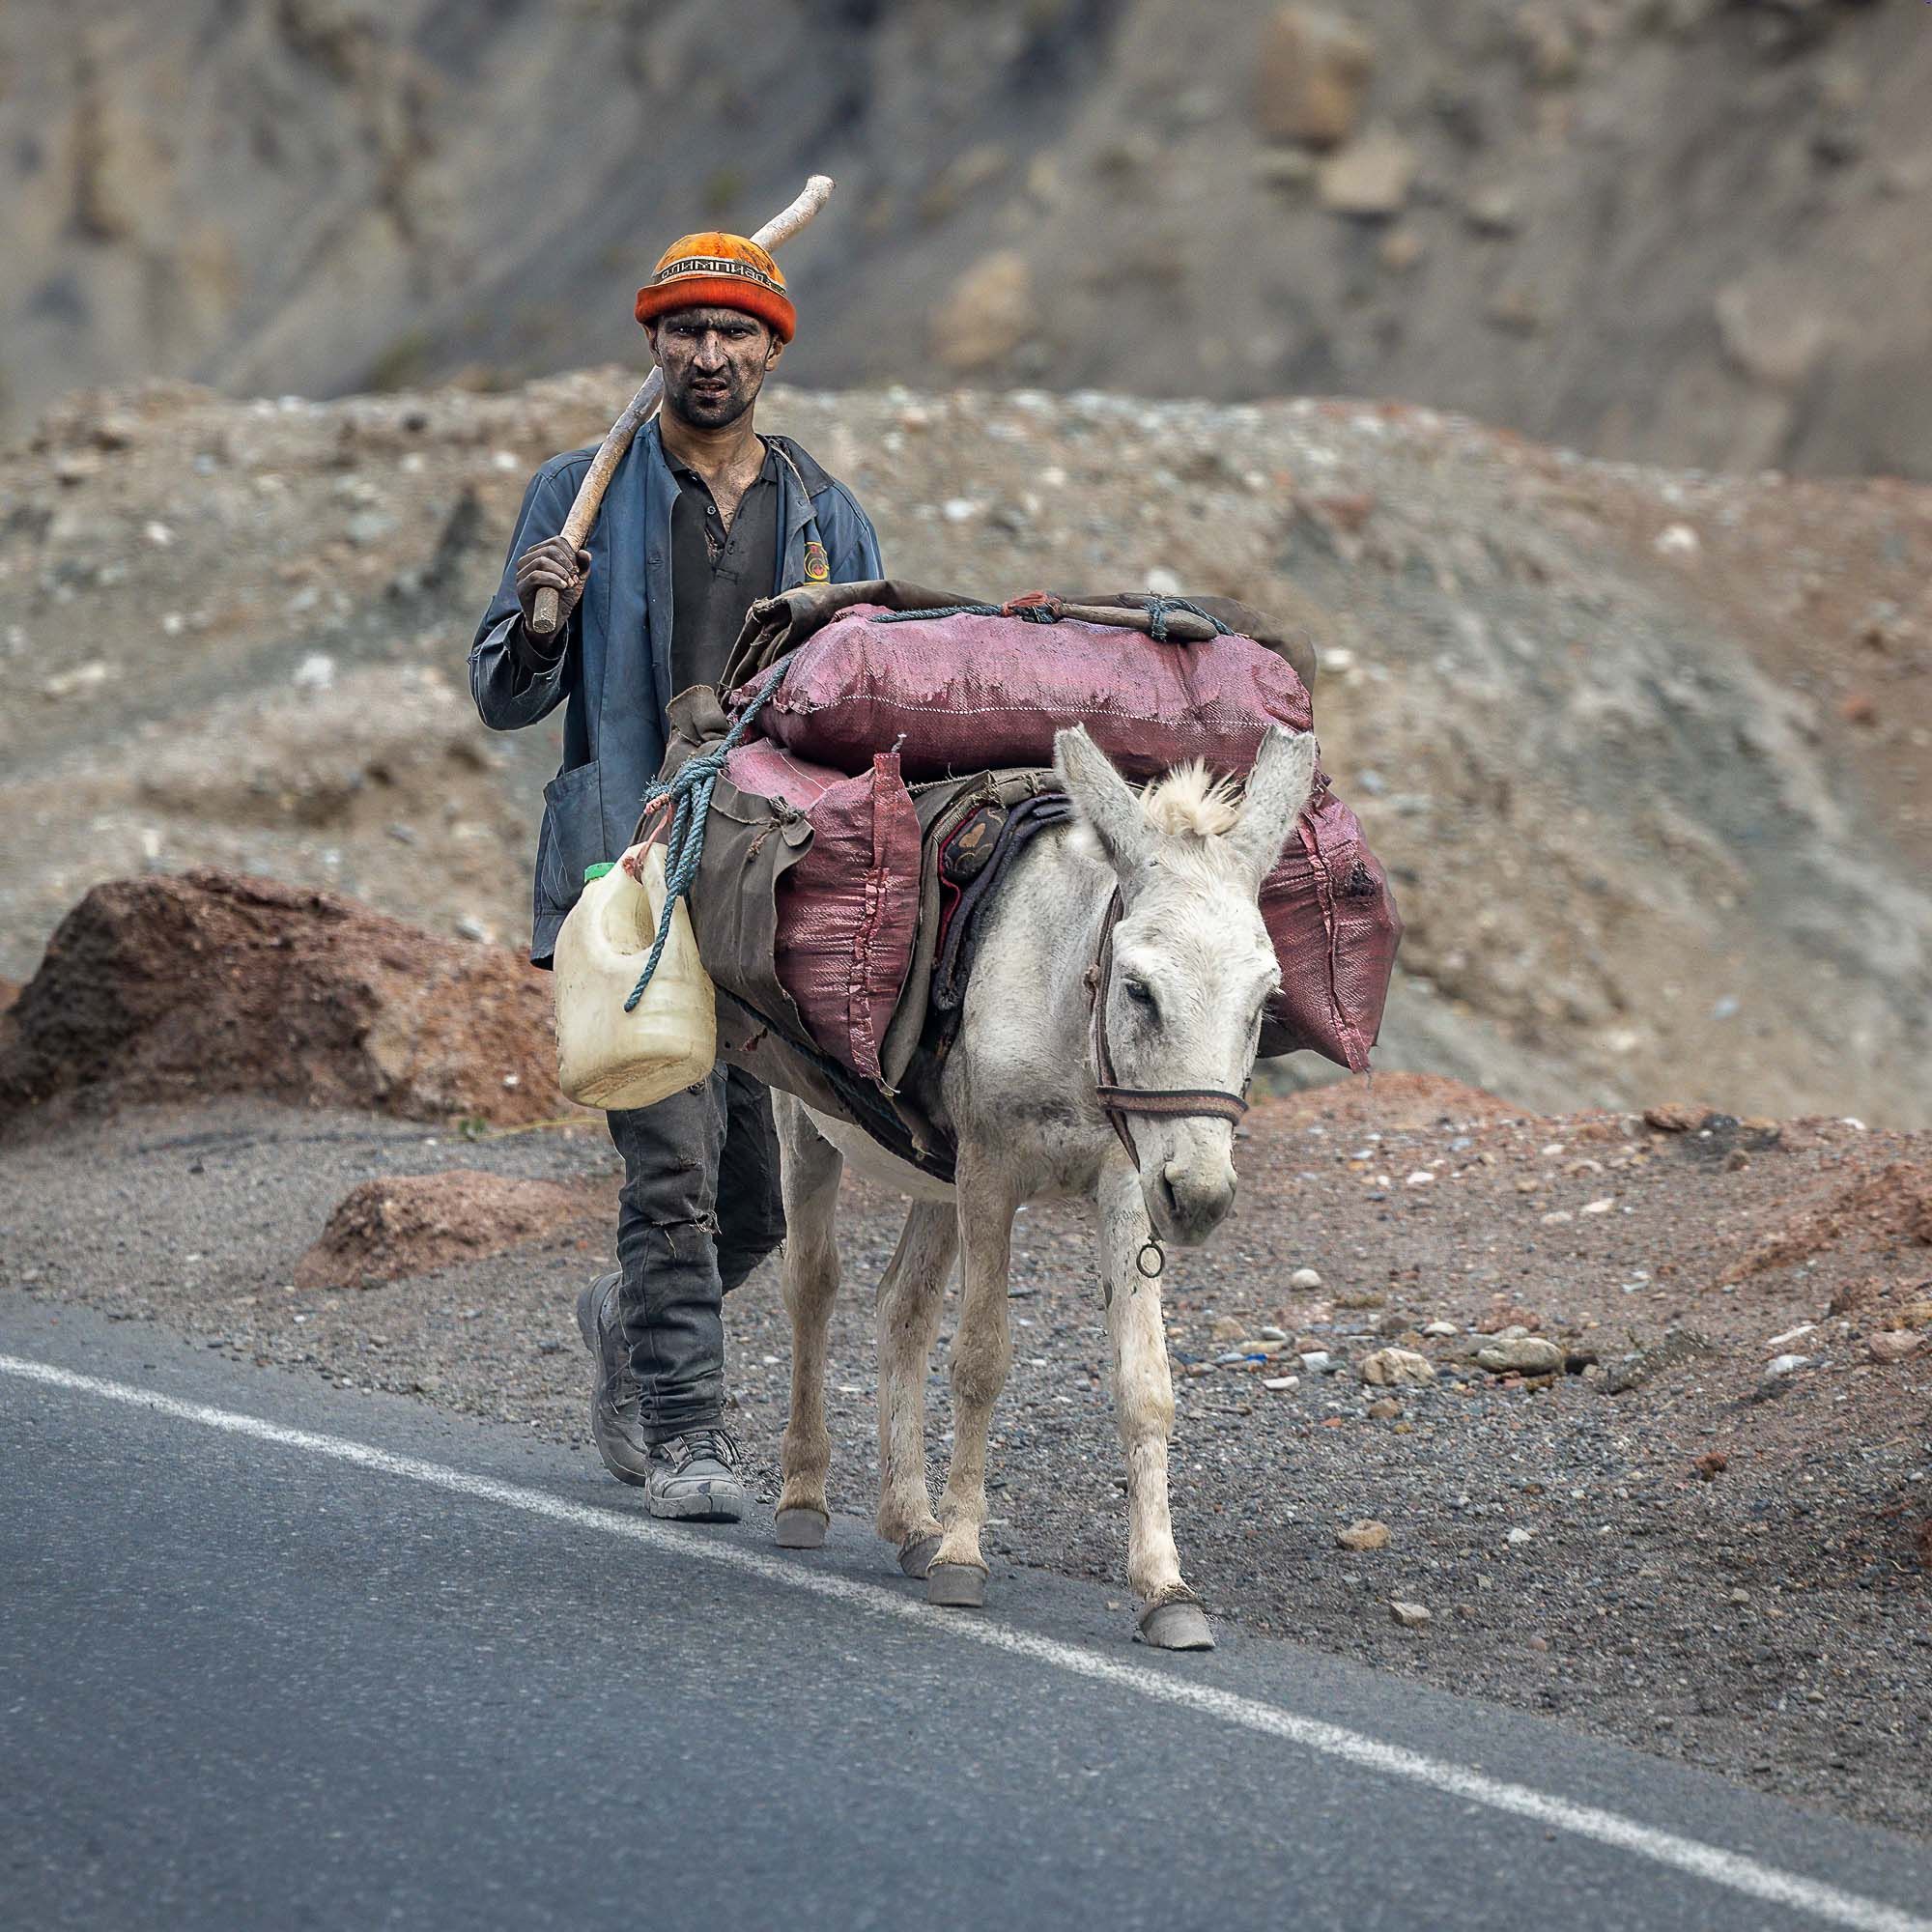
(694, 1476)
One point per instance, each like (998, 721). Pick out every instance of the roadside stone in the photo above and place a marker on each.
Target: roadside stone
(1364, 1533)
(1515, 310)
(1440, 1328)
(1305, 1278)
(1676, 1117)
(1915, 1315)
(1767, 338)
(1227, 1328)
(1384, 1408)
(1518, 1536)
(1401, 249)
(1894, 1346)
(1678, 1347)
(1390, 1368)
(1709, 1467)
(1312, 69)
(1523, 1355)
(1492, 211)
(1784, 1365)
(1410, 1616)
(1370, 179)
(987, 313)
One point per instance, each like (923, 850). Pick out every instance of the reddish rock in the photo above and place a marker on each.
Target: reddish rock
(1676, 1117)
(1709, 1467)
(1894, 1346)
(407, 1224)
(175, 988)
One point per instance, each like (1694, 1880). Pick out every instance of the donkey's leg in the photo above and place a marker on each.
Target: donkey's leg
(1143, 1413)
(911, 1294)
(810, 1274)
(981, 1351)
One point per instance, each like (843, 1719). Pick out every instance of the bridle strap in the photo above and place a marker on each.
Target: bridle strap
(1204, 1103)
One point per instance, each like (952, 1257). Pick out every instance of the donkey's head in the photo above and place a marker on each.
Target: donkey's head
(1193, 964)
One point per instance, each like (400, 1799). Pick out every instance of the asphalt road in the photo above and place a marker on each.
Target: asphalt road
(276, 1655)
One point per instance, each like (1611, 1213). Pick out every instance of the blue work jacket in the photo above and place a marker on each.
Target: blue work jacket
(614, 673)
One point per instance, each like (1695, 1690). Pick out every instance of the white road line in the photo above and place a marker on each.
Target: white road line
(1709, 1862)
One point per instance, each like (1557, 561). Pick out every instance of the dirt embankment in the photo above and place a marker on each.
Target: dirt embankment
(1645, 752)
(181, 988)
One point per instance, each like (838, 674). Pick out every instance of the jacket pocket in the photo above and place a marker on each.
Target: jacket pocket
(572, 836)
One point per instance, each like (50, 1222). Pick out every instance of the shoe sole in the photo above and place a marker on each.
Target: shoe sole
(707, 1506)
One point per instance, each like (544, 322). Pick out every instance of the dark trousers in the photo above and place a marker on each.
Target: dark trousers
(700, 1209)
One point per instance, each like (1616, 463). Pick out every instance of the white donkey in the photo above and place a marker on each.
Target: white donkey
(1146, 1133)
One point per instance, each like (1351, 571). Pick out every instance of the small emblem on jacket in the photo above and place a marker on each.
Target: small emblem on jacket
(816, 569)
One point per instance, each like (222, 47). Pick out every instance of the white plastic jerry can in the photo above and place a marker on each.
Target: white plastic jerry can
(606, 1057)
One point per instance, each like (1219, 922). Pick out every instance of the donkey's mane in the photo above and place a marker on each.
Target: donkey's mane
(1189, 805)
(1191, 799)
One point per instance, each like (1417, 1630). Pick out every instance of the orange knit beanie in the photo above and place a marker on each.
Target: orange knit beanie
(713, 269)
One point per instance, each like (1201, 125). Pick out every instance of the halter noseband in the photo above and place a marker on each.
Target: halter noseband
(1186, 1103)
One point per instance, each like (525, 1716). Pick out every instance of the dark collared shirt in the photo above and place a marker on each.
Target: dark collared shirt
(718, 573)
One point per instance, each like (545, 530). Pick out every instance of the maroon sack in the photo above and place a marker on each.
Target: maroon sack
(848, 910)
(969, 692)
(1328, 909)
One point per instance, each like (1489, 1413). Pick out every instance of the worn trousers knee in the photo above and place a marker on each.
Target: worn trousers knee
(698, 1210)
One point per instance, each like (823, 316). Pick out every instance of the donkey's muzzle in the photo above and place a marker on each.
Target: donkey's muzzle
(1187, 1204)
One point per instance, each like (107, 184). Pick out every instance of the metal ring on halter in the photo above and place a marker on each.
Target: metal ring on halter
(1160, 1255)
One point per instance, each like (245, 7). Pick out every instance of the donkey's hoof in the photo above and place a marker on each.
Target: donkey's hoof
(955, 1586)
(916, 1555)
(800, 1529)
(1176, 1626)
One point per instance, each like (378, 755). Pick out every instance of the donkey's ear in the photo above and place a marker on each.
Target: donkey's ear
(1278, 788)
(1109, 807)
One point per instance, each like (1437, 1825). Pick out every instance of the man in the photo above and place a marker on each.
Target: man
(702, 517)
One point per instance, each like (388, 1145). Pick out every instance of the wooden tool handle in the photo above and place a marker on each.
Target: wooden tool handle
(638, 411)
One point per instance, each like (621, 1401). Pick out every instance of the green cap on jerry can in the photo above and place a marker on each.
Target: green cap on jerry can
(598, 871)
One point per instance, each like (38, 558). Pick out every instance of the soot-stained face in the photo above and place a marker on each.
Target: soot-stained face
(715, 361)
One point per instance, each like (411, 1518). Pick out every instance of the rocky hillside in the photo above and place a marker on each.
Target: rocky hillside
(1686, 231)
(1645, 751)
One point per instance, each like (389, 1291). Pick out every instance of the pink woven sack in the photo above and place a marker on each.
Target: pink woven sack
(1328, 909)
(965, 693)
(848, 910)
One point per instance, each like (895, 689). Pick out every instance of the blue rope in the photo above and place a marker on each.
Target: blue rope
(691, 787)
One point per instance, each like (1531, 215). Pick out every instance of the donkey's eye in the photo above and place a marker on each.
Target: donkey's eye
(1142, 995)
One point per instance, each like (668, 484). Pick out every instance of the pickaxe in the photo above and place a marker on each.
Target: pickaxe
(641, 406)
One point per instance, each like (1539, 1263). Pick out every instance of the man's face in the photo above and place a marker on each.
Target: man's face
(713, 362)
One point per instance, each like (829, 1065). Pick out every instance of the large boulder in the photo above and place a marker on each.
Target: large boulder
(172, 988)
